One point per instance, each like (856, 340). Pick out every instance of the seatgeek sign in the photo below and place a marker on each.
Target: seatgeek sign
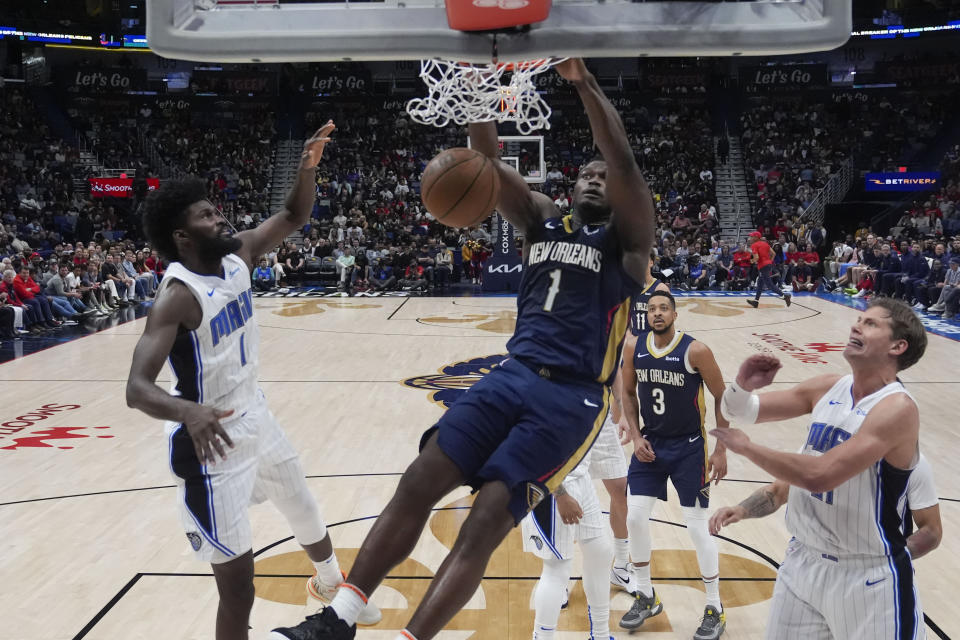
(117, 187)
(910, 181)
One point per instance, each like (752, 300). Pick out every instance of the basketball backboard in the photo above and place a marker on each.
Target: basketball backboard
(277, 31)
(525, 153)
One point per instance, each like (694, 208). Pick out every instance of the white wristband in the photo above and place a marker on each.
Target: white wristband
(739, 405)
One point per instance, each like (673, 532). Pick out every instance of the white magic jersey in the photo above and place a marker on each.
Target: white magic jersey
(216, 364)
(864, 515)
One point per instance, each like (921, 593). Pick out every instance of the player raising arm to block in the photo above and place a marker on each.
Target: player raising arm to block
(845, 502)
(922, 506)
(202, 323)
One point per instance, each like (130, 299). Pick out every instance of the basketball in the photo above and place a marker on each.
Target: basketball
(460, 187)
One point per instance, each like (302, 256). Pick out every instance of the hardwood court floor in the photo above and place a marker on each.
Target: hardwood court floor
(93, 548)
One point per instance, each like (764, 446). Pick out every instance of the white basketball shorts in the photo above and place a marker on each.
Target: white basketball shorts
(213, 498)
(545, 534)
(607, 459)
(820, 596)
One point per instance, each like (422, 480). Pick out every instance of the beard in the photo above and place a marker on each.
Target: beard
(660, 332)
(217, 247)
(591, 212)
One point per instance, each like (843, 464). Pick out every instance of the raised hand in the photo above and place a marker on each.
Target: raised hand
(758, 371)
(572, 69)
(313, 148)
(203, 425)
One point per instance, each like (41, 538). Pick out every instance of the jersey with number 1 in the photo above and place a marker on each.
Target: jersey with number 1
(574, 300)
(216, 364)
(864, 515)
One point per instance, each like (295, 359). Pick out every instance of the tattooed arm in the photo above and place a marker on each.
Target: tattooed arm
(762, 502)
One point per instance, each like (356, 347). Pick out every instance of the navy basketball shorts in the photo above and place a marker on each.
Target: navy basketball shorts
(684, 460)
(523, 430)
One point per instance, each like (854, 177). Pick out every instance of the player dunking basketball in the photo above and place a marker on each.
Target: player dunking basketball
(847, 573)
(531, 420)
(202, 322)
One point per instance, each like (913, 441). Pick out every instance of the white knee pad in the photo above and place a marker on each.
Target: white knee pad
(303, 515)
(597, 558)
(549, 594)
(708, 557)
(639, 510)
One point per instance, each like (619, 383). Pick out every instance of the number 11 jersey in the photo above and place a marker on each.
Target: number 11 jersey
(574, 300)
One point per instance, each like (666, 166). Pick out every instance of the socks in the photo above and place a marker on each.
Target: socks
(329, 571)
(599, 623)
(541, 632)
(713, 593)
(621, 550)
(644, 584)
(348, 603)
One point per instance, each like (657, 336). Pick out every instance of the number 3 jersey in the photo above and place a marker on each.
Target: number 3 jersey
(864, 515)
(574, 300)
(669, 389)
(216, 364)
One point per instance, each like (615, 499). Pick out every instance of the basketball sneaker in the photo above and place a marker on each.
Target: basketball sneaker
(753, 303)
(622, 577)
(712, 625)
(324, 625)
(643, 607)
(324, 593)
(788, 298)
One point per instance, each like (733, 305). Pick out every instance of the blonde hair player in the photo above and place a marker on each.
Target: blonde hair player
(847, 573)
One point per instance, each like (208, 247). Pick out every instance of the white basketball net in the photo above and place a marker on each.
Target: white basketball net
(463, 93)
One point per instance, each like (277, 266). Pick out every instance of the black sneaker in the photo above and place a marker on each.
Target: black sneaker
(643, 607)
(324, 625)
(712, 624)
(753, 303)
(788, 298)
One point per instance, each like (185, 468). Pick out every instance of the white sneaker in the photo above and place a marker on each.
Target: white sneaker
(918, 306)
(325, 593)
(860, 293)
(623, 577)
(937, 308)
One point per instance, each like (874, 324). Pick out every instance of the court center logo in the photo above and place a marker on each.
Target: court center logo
(509, 581)
(42, 438)
(453, 380)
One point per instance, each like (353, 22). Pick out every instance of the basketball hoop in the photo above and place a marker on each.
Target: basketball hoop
(462, 93)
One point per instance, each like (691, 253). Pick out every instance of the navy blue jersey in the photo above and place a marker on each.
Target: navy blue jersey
(574, 300)
(638, 314)
(669, 390)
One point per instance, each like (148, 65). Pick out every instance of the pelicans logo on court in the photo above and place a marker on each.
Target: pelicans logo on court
(453, 380)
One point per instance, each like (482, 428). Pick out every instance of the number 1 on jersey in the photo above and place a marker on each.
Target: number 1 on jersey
(553, 290)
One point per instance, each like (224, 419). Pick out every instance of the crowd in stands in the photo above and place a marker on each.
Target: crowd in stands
(793, 149)
(370, 231)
